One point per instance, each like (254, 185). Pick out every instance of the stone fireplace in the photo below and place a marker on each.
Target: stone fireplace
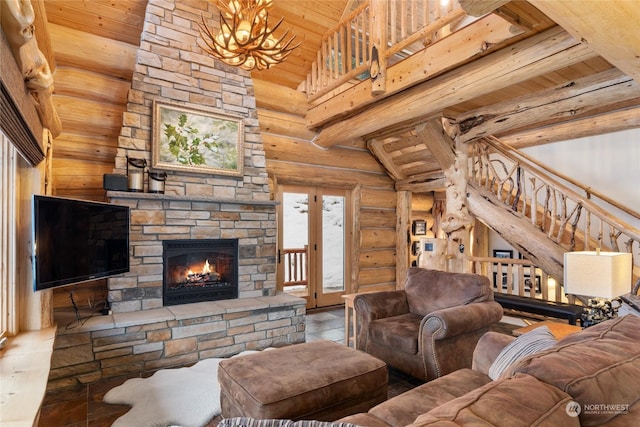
(172, 68)
(145, 332)
(199, 270)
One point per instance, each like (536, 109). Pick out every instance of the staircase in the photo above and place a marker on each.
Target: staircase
(543, 213)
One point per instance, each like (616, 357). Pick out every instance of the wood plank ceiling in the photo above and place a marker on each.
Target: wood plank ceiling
(94, 42)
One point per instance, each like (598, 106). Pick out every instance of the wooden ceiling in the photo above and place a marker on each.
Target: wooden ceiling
(93, 46)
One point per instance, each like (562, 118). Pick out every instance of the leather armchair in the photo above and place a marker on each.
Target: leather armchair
(431, 327)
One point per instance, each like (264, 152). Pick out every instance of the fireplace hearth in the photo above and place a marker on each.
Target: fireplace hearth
(199, 270)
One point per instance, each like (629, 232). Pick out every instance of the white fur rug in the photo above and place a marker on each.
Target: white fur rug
(186, 397)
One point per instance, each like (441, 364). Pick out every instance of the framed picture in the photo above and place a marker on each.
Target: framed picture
(196, 140)
(502, 281)
(419, 227)
(527, 283)
(502, 253)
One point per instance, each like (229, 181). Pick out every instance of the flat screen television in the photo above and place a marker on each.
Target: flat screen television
(77, 241)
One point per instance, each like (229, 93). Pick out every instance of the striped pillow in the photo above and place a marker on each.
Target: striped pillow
(252, 422)
(525, 345)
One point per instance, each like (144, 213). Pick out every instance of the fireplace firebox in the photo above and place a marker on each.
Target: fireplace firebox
(199, 270)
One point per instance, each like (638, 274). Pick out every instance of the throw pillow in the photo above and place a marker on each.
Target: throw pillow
(525, 345)
(252, 422)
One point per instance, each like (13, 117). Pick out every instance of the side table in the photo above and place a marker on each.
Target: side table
(559, 330)
(349, 319)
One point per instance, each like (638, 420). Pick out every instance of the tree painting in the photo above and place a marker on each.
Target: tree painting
(197, 141)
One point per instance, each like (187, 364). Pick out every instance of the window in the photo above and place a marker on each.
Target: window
(8, 183)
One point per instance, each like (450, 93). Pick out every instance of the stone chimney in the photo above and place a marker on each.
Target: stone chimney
(172, 68)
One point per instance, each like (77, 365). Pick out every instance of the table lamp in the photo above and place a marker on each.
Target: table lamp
(603, 275)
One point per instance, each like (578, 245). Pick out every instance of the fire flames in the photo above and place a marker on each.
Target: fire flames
(207, 274)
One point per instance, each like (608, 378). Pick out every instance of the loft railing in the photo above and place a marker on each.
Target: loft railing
(572, 215)
(396, 28)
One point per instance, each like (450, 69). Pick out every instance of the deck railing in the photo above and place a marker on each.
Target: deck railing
(346, 51)
(295, 267)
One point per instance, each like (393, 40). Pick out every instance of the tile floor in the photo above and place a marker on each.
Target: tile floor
(82, 405)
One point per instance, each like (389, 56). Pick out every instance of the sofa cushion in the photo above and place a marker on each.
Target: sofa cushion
(507, 402)
(444, 290)
(398, 332)
(525, 345)
(597, 366)
(406, 407)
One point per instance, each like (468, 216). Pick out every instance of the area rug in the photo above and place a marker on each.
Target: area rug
(186, 397)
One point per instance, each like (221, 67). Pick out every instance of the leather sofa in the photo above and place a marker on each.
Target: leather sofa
(430, 327)
(589, 378)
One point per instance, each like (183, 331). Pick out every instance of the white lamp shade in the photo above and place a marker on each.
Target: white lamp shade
(597, 274)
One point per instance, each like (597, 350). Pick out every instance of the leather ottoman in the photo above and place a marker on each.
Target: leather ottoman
(320, 380)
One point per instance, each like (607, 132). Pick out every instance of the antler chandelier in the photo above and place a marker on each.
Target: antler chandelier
(245, 38)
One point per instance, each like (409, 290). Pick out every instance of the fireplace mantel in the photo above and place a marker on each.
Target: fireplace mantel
(187, 198)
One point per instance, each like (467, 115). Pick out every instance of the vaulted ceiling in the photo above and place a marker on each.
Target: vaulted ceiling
(594, 45)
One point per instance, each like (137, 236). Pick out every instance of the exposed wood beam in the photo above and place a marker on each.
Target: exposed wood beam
(467, 43)
(302, 152)
(516, 229)
(423, 187)
(279, 98)
(609, 27)
(376, 146)
(442, 147)
(543, 53)
(274, 122)
(481, 7)
(605, 123)
(568, 100)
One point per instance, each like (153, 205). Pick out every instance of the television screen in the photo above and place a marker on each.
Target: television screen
(77, 241)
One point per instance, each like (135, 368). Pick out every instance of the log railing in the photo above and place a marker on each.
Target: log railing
(345, 52)
(295, 267)
(574, 216)
(518, 277)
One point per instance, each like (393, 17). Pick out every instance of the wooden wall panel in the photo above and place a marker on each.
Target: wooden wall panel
(379, 198)
(292, 158)
(378, 258)
(87, 117)
(376, 276)
(79, 178)
(378, 238)
(94, 149)
(90, 85)
(373, 218)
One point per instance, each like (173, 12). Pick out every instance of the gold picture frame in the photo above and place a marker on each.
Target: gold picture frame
(194, 139)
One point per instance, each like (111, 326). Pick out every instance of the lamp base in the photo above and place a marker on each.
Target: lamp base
(598, 310)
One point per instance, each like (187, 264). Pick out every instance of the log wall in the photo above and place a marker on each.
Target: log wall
(292, 158)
